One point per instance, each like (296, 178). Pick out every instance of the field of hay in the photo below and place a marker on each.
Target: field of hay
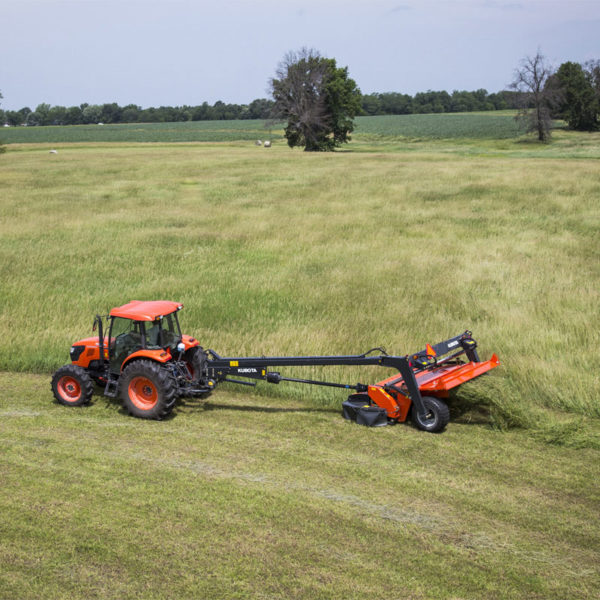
(274, 251)
(282, 252)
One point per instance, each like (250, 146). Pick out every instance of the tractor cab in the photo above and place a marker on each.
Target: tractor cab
(142, 326)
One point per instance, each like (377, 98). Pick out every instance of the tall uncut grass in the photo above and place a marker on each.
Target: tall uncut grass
(282, 252)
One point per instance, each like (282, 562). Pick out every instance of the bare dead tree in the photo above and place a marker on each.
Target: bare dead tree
(298, 91)
(538, 95)
(2, 147)
(592, 69)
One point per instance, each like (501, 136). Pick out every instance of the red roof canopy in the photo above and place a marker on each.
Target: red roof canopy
(145, 311)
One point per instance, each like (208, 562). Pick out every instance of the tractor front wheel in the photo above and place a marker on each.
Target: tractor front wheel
(147, 390)
(437, 416)
(72, 386)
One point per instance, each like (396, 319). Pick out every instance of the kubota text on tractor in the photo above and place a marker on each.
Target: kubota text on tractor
(149, 363)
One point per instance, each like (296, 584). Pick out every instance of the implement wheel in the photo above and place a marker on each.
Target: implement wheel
(437, 416)
(72, 386)
(147, 390)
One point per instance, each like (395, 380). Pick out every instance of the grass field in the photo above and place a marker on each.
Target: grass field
(240, 497)
(270, 493)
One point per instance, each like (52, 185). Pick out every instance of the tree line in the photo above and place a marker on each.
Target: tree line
(86, 114)
(387, 103)
(393, 103)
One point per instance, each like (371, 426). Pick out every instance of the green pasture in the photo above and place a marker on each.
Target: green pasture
(268, 493)
(276, 251)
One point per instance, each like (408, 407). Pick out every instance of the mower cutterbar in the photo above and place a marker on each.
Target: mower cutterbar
(422, 379)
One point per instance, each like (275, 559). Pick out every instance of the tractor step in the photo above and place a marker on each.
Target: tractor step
(112, 386)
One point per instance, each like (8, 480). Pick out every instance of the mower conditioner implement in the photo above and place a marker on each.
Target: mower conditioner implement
(149, 364)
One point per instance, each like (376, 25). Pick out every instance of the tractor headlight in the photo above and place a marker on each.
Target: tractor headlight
(180, 347)
(76, 352)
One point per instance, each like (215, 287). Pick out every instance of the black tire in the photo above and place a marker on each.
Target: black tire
(438, 415)
(196, 360)
(147, 390)
(72, 386)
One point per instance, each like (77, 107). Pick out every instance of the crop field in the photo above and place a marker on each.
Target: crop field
(496, 125)
(486, 125)
(189, 131)
(268, 493)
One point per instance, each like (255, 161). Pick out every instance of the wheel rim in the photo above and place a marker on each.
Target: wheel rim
(69, 389)
(143, 393)
(430, 418)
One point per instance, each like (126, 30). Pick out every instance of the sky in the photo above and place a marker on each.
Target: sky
(176, 52)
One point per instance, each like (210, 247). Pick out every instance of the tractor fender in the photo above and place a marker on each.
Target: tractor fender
(189, 341)
(160, 356)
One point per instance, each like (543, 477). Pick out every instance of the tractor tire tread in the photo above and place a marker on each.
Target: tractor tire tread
(167, 392)
(197, 359)
(85, 383)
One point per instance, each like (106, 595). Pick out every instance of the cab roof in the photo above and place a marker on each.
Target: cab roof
(145, 311)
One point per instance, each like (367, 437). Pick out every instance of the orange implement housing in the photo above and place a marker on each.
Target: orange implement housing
(436, 381)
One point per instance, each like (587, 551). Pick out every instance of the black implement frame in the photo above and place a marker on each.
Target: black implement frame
(220, 368)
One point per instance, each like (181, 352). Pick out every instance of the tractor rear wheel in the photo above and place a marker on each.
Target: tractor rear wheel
(196, 361)
(437, 416)
(72, 386)
(147, 390)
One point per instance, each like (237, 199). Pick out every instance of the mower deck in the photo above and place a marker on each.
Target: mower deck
(438, 381)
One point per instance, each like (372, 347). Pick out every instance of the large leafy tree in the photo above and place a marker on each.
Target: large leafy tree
(579, 103)
(316, 98)
(537, 93)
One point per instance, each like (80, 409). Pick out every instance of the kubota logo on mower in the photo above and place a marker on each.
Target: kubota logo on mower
(247, 371)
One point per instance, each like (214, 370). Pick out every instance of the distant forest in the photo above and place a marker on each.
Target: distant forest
(389, 103)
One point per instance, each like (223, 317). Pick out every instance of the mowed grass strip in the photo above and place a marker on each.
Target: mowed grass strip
(238, 497)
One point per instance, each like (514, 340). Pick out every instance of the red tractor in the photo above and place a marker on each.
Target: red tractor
(149, 363)
(145, 359)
